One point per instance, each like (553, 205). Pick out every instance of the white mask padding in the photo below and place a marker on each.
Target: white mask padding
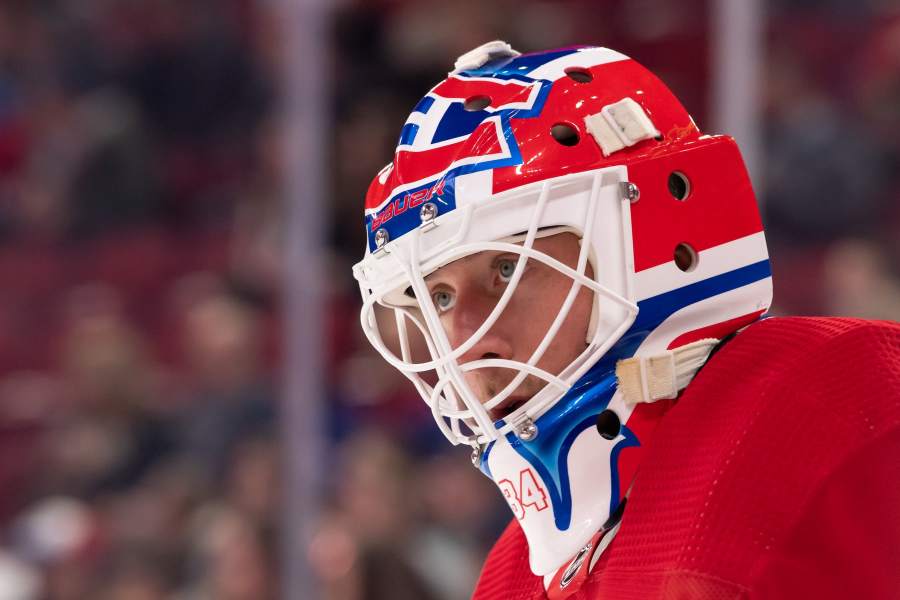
(452, 401)
(620, 125)
(473, 59)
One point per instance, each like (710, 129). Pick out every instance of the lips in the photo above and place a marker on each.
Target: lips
(508, 406)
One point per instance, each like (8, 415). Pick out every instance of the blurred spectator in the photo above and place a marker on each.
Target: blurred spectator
(253, 484)
(107, 435)
(363, 549)
(133, 574)
(230, 558)
(816, 156)
(115, 185)
(229, 395)
(463, 514)
(59, 535)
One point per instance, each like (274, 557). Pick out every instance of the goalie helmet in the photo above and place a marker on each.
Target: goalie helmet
(511, 149)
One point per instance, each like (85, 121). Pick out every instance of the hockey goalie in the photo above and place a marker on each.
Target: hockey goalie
(576, 280)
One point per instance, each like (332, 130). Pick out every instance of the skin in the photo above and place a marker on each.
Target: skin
(465, 291)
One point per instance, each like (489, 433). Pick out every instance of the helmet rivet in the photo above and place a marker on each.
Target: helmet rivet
(428, 212)
(630, 191)
(476, 456)
(526, 430)
(381, 238)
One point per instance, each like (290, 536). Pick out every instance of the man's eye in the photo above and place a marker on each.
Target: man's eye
(506, 268)
(444, 301)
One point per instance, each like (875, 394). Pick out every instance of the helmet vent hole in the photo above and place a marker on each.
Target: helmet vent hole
(579, 74)
(608, 424)
(679, 185)
(476, 103)
(686, 257)
(565, 134)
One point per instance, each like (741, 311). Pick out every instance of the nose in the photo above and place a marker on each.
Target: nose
(469, 313)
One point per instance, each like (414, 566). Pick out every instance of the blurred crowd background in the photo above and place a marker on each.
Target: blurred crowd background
(141, 223)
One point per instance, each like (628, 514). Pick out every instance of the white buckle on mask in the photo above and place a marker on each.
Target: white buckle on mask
(620, 125)
(474, 59)
(662, 376)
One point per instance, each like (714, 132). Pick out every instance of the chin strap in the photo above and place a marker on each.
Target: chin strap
(662, 376)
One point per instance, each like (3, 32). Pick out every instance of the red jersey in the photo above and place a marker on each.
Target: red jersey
(776, 475)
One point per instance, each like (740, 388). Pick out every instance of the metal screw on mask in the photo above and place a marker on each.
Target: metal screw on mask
(630, 191)
(476, 456)
(526, 430)
(428, 212)
(381, 238)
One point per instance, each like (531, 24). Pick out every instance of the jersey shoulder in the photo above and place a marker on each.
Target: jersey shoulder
(765, 426)
(800, 330)
(832, 359)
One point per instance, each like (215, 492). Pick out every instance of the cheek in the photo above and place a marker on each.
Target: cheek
(541, 302)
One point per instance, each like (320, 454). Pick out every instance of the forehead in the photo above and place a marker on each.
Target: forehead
(562, 246)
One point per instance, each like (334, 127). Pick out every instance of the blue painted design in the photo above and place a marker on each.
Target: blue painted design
(558, 428)
(424, 105)
(397, 227)
(408, 134)
(548, 453)
(457, 122)
(657, 309)
(484, 465)
(409, 219)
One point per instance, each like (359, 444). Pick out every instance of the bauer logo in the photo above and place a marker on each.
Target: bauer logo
(409, 200)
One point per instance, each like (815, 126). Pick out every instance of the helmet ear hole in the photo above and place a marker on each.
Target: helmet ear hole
(579, 74)
(679, 185)
(476, 103)
(608, 424)
(686, 257)
(565, 134)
